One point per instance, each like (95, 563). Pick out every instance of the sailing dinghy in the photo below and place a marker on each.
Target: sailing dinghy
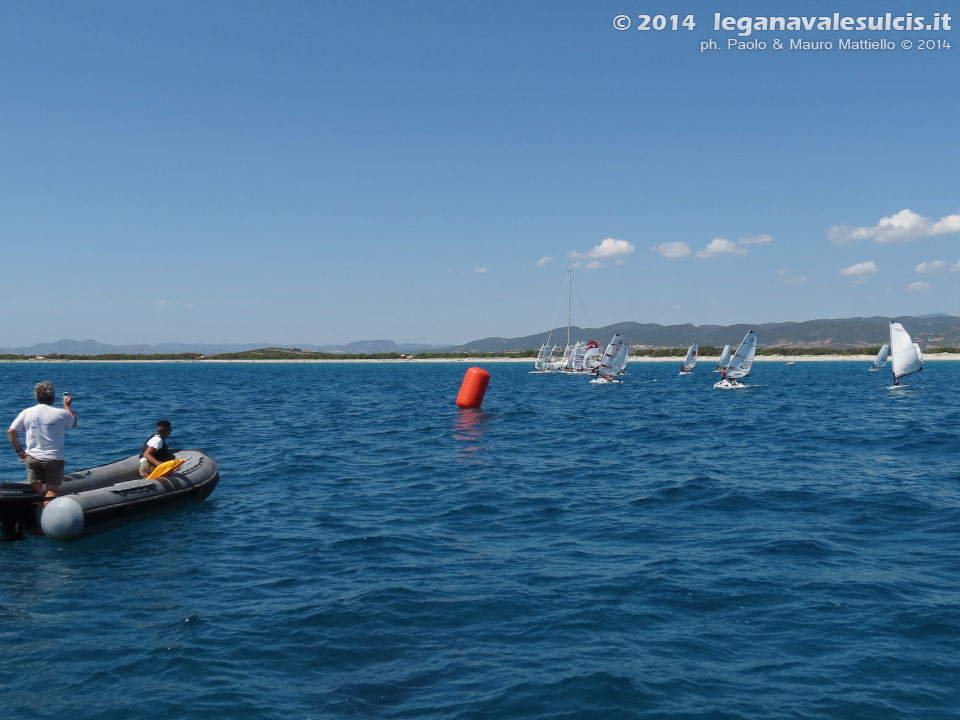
(576, 357)
(591, 357)
(724, 359)
(905, 353)
(740, 364)
(691, 360)
(541, 362)
(614, 361)
(547, 360)
(881, 359)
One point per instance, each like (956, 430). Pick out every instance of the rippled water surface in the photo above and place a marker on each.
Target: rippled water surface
(656, 549)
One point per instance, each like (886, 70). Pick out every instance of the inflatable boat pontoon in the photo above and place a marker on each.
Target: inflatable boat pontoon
(103, 497)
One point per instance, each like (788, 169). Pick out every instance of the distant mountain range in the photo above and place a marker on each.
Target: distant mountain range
(840, 334)
(92, 347)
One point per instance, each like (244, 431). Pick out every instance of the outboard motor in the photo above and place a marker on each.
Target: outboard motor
(18, 503)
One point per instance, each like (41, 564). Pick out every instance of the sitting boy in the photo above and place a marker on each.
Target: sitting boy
(155, 449)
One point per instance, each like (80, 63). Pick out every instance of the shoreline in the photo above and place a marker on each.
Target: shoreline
(936, 357)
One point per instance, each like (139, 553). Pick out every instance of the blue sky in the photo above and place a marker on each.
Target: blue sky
(426, 171)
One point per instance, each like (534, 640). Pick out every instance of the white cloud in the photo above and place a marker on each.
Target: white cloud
(609, 248)
(794, 280)
(673, 249)
(864, 268)
(542, 262)
(903, 226)
(948, 225)
(720, 246)
(592, 265)
(717, 246)
(162, 302)
(918, 287)
(931, 267)
(755, 240)
(956, 266)
(481, 269)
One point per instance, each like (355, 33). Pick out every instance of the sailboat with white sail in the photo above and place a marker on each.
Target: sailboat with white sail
(542, 358)
(881, 359)
(905, 354)
(548, 363)
(740, 364)
(691, 360)
(621, 360)
(575, 363)
(724, 359)
(592, 356)
(614, 361)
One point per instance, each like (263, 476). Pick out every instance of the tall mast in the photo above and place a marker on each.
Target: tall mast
(569, 293)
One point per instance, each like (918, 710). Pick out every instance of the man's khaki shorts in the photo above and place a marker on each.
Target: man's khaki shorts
(46, 472)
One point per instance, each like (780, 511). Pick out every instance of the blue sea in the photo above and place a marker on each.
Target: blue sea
(654, 549)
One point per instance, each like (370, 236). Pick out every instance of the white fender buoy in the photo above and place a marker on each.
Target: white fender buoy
(62, 519)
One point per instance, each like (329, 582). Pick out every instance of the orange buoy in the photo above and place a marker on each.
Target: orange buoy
(474, 386)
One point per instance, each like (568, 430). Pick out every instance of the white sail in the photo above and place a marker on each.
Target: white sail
(724, 359)
(576, 357)
(591, 358)
(565, 360)
(620, 362)
(552, 362)
(691, 360)
(742, 360)
(610, 364)
(541, 360)
(881, 359)
(905, 353)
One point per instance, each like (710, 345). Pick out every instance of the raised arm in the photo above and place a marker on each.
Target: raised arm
(67, 401)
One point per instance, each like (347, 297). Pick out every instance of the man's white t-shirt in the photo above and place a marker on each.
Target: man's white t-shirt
(45, 426)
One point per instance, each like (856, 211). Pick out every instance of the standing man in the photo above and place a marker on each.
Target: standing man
(45, 426)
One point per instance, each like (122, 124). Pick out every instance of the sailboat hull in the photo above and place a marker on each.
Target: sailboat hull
(729, 385)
